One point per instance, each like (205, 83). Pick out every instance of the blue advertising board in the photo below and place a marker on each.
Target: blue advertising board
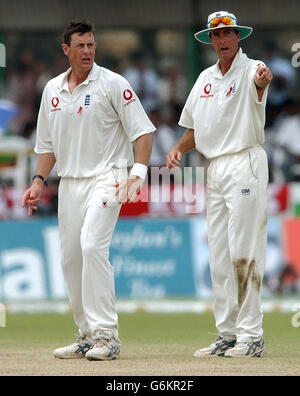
(152, 258)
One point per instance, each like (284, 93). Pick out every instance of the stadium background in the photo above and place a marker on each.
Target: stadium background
(165, 254)
(159, 252)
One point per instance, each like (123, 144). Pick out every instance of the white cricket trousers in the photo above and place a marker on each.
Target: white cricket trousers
(237, 237)
(87, 212)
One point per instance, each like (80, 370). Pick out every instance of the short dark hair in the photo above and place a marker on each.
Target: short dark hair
(77, 26)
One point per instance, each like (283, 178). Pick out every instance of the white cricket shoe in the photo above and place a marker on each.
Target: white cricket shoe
(217, 348)
(247, 349)
(77, 350)
(106, 347)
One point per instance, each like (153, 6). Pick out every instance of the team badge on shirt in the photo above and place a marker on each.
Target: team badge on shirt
(87, 100)
(231, 90)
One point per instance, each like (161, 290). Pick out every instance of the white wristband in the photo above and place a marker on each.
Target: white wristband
(139, 170)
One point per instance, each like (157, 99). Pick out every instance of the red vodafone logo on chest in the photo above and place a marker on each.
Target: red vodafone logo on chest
(55, 102)
(206, 90)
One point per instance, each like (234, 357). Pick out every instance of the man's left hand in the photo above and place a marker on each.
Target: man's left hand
(263, 76)
(128, 189)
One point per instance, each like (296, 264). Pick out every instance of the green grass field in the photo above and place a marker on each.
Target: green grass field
(152, 344)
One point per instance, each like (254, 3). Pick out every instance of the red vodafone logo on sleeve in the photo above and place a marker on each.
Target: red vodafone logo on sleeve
(127, 95)
(207, 89)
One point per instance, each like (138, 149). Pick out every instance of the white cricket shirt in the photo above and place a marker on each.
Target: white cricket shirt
(92, 128)
(224, 111)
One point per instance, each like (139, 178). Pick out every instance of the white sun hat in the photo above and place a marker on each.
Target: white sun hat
(218, 20)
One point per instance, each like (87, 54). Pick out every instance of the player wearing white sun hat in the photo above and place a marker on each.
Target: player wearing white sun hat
(218, 20)
(224, 116)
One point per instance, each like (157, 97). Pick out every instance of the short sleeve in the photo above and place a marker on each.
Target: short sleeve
(129, 109)
(43, 134)
(251, 74)
(186, 119)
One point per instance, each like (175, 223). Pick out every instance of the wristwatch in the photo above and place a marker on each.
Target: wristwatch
(42, 178)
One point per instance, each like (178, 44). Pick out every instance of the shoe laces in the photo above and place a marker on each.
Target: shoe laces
(219, 338)
(101, 342)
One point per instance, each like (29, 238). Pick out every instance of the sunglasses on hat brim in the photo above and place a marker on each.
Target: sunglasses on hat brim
(227, 21)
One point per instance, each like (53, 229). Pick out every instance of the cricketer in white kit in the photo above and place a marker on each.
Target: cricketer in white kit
(225, 115)
(89, 116)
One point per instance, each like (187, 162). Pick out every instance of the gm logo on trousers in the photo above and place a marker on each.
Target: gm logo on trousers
(245, 191)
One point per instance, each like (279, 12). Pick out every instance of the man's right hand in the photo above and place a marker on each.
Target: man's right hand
(173, 159)
(32, 196)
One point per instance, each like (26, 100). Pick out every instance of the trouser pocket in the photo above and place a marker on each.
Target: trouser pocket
(253, 163)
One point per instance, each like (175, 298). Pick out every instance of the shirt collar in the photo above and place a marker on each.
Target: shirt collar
(92, 76)
(239, 58)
